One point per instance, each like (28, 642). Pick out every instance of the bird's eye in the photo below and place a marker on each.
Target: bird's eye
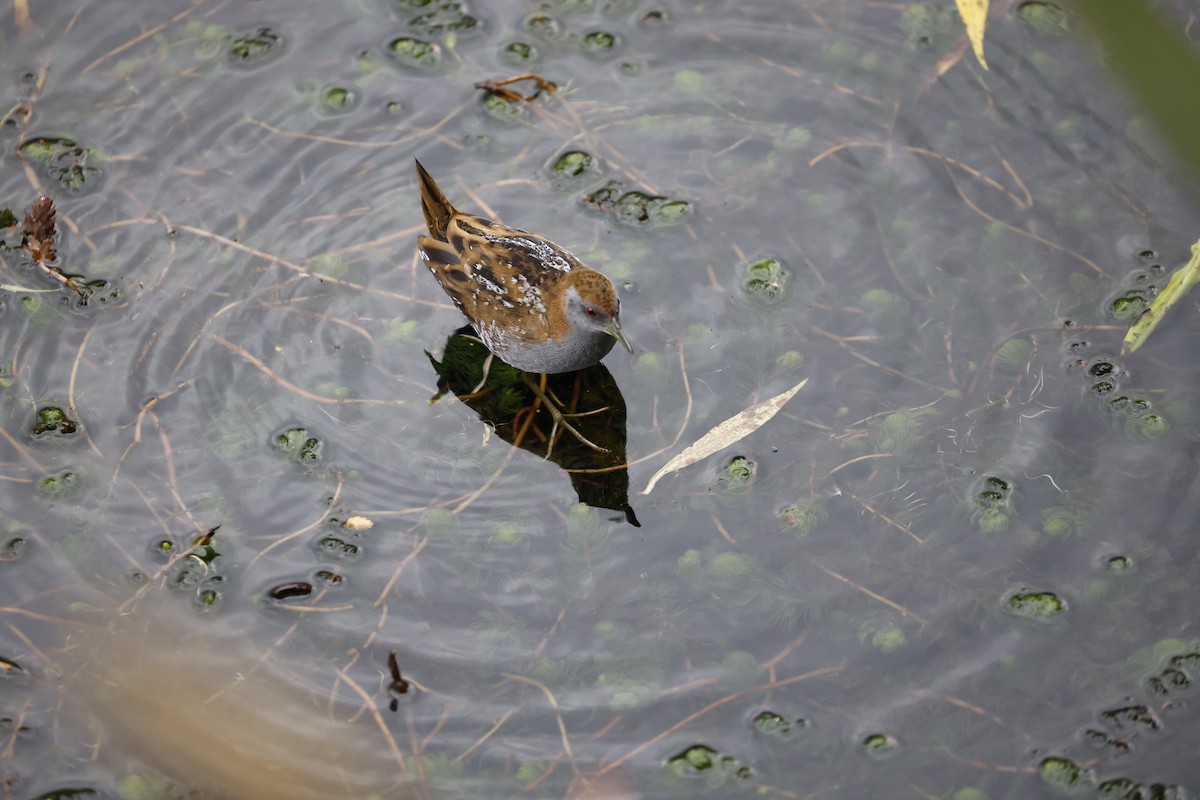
(591, 312)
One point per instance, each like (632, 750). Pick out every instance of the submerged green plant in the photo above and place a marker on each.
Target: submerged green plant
(799, 519)
(1033, 605)
(887, 310)
(883, 632)
(60, 486)
(898, 435)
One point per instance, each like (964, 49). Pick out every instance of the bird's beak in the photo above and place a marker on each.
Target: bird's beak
(614, 328)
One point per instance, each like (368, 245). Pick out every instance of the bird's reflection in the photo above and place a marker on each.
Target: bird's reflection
(601, 479)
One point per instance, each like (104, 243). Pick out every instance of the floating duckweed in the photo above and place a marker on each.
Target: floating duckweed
(1045, 19)
(208, 598)
(992, 505)
(1119, 564)
(41, 149)
(337, 100)
(255, 49)
(1129, 306)
(13, 548)
(59, 486)
(1035, 605)
(296, 442)
(416, 53)
(520, 53)
(573, 163)
(605, 196)
(51, 419)
(736, 478)
(566, 6)
(767, 281)
(289, 440)
(1063, 773)
(697, 759)
(772, 724)
(1126, 789)
(655, 18)
(1137, 715)
(1150, 425)
(328, 577)
(996, 485)
(637, 208)
(543, 26)
(879, 745)
(338, 547)
(897, 435)
(67, 163)
(669, 211)
(1014, 354)
(448, 17)
(503, 109)
(700, 759)
(599, 42)
(633, 207)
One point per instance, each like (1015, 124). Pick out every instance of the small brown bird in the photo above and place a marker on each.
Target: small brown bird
(533, 303)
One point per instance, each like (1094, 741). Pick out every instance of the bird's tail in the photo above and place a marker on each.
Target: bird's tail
(437, 208)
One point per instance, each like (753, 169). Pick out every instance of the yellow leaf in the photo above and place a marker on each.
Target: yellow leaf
(1173, 292)
(974, 15)
(731, 430)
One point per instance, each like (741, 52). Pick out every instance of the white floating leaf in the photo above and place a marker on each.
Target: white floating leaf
(358, 524)
(728, 432)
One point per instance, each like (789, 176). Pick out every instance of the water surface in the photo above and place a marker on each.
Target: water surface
(960, 563)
